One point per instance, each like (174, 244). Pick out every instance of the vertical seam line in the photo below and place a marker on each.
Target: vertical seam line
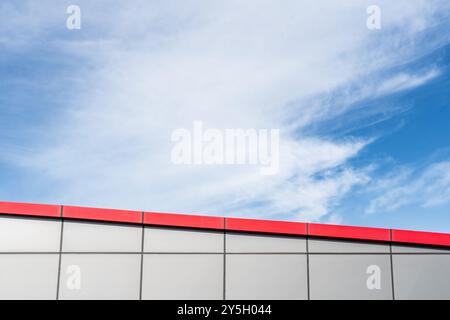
(307, 263)
(58, 283)
(224, 257)
(141, 276)
(392, 265)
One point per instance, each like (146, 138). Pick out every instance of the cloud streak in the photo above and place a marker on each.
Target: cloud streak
(428, 188)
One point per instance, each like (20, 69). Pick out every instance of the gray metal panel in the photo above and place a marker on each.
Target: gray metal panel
(28, 276)
(345, 246)
(341, 276)
(266, 276)
(158, 239)
(418, 249)
(103, 276)
(29, 235)
(421, 276)
(183, 276)
(101, 237)
(241, 242)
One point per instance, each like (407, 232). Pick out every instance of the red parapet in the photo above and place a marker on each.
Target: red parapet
(230, 224)
(126, 216)
(29, 209)
(346, 232)
(183, 220)
(419, 237)
(265, 226)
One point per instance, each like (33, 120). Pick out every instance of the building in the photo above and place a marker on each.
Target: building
(66, 252)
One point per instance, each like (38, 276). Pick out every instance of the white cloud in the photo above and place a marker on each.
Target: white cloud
(404, 81)
(159, 67)
(428, 188)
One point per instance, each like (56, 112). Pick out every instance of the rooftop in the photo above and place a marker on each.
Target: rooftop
(223, 223)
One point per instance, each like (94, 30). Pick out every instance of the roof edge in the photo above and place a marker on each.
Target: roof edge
(229, 224)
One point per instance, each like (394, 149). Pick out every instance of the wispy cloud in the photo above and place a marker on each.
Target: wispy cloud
(405, 81)
(158, 67)
(427, 188)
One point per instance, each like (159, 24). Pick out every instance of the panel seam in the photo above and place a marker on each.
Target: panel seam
(141, 276)
(392, 266)
(58, 282)
(307, 263)
(224, 257)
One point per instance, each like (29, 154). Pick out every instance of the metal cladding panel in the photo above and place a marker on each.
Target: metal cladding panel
(266, 226)
(421, 276)
(244, 242)
(183, 276)
(418, 237)
(183, 220)
(409, 248)
(83, 213)
(347, 232)
(21, 234)
(101, 237)
(266, 277)
(28, 276)
(318, 245)
(344, 277)
(29, 209)
(159, 239)
(100, 276)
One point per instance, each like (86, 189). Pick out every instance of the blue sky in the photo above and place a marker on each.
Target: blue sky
(86, 115)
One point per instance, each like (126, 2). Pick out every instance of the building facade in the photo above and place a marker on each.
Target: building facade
(66, 252)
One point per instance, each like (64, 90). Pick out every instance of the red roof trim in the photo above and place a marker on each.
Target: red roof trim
(345, 232)
(126, 216)
(418, 237)
(268, 226)
(231, 224)
(29, 209)
(183, 220)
